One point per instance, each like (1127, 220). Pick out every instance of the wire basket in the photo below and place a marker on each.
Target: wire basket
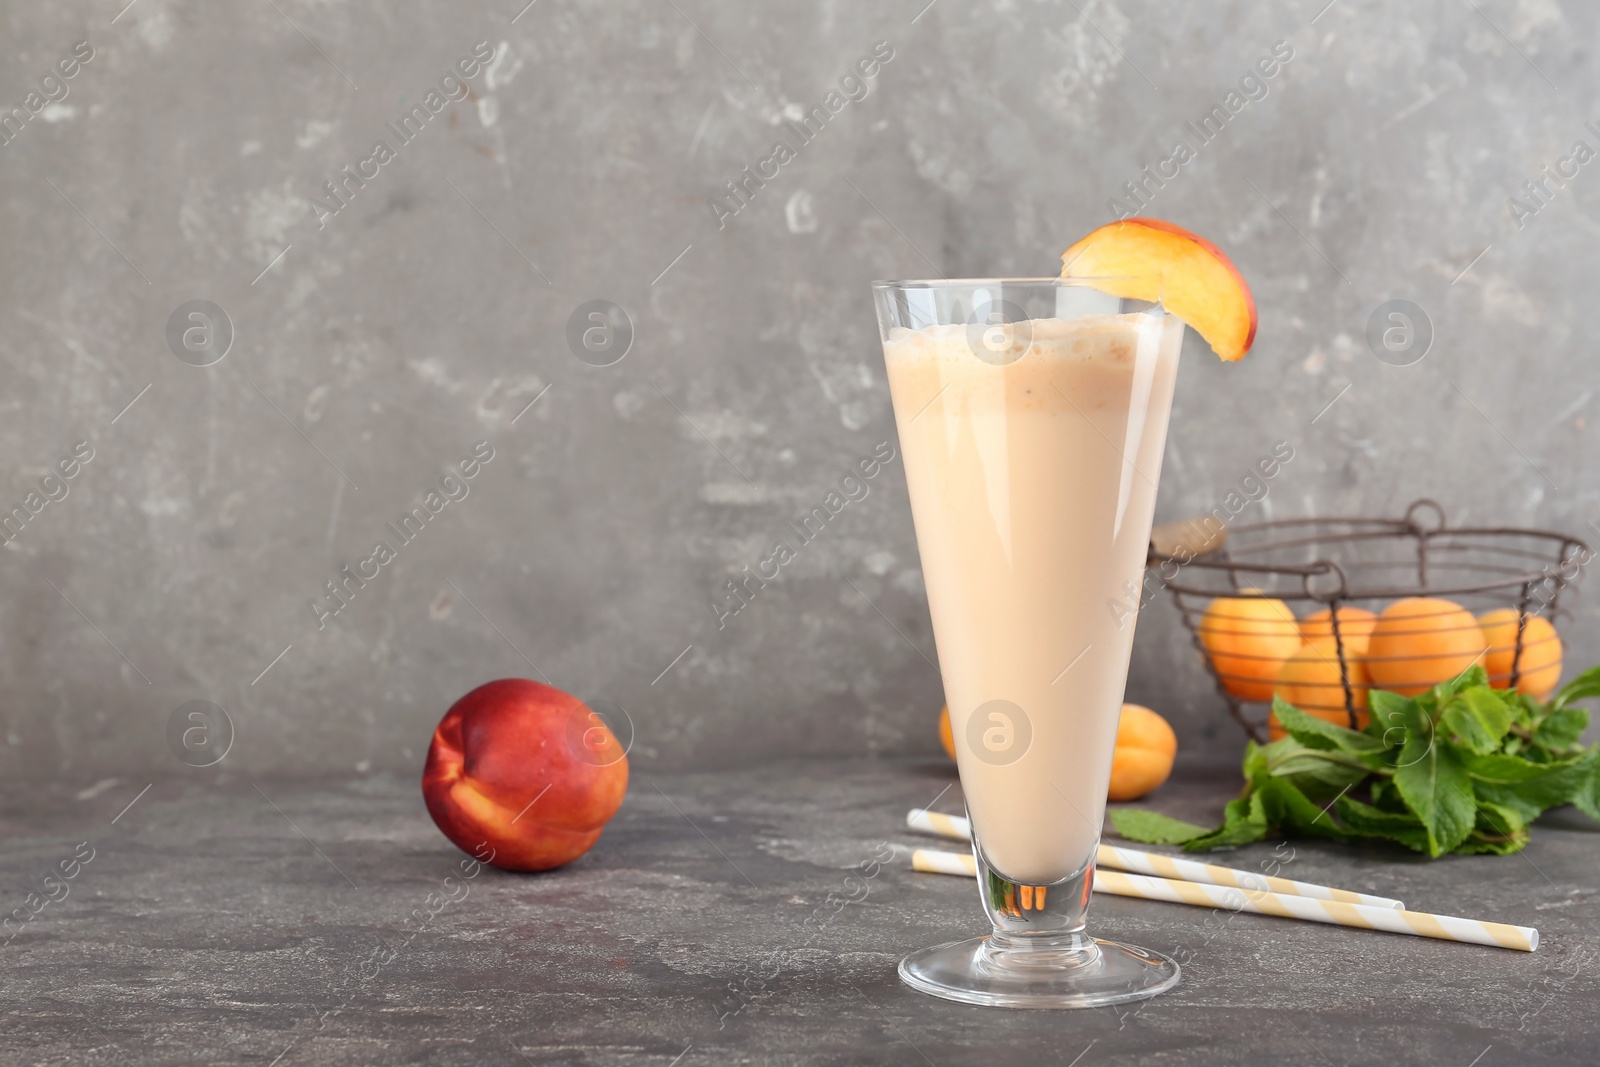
(1344, 563)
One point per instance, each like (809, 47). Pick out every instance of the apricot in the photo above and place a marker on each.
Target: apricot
(1146, 747)
(1421, 641)
(523, 776)
(1310, 680)
(946, 737)
(1355, 627)
(1539, 669)
(1247, 640)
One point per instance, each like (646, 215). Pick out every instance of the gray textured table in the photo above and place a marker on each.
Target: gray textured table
(230, 921)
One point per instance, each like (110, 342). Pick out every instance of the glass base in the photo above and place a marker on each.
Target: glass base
(1009, 972)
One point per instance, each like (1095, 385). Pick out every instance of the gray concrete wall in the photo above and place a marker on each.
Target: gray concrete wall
(428, 311)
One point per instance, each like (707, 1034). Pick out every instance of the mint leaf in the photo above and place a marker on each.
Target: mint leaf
(1499, 819)
(1293, 720)
(1255, 764)
(1478, 843)
(1386, 797)
(1287, 808)
(1153, 828)
(1390, 713)
(1474, 677)
(1582, 687)
(1498, 768)
(1368, 821)
(1477, 718)
(1561, 728)
(1243, 821)
(1530, 788)
(1315, 772)
(1524, 709)
(1433, 782)
(1586, 798)
(1318, 733)
(1408, 728)
(1498, 830)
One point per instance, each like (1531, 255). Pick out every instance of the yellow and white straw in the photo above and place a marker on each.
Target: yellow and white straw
(1333, 912)
(1154, 863)
(955, 827)
(934, 861)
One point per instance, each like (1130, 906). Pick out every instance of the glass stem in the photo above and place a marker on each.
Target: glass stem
(1028, 917)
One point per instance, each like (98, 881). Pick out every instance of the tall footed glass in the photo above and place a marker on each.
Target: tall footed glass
(1032, 416)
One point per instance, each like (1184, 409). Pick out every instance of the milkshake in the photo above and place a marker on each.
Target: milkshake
(1032, 415)
(1032, 450)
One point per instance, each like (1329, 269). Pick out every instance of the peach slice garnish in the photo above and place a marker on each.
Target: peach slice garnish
(1147, 259)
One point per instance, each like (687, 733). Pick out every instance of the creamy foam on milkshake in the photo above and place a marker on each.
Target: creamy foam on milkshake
(1032, 458)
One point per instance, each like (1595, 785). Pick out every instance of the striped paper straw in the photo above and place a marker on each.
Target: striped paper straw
(934, 861)
(1333, 912)
(956, 827)
(1337, 913)
(1154, 863)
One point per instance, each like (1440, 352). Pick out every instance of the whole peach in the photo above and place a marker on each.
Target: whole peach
(523, 776)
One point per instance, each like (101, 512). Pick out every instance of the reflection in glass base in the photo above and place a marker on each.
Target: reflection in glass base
(1076, 971)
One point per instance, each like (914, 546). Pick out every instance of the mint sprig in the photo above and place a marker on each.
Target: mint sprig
(1461, 768)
